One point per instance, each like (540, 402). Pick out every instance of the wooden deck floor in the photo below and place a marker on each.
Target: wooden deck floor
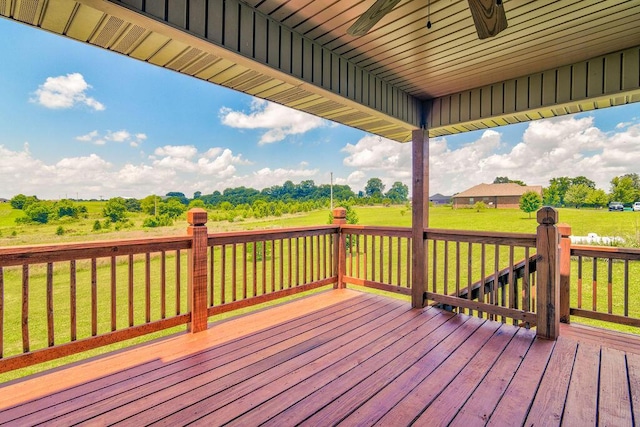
(341, 357)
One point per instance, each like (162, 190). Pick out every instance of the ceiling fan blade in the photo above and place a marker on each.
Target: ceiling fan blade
(488, 16)
(371, 17)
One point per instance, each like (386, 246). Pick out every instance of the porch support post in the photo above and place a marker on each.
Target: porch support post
(340, 250)
(565, 272)
(197, 275)
(548, 274)
(419, 214)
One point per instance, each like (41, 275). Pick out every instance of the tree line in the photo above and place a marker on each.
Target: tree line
(580, 191)
(230, 204)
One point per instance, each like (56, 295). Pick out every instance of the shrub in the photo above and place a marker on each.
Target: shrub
(59, 231)
(97, 226)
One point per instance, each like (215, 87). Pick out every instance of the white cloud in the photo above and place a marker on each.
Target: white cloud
(567, 146)
(65, 92)
(279, 121)
(121, 136)
(176, 151)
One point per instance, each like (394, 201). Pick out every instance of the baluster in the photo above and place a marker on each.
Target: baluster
(163, 284)
(72, 300)
(50, 328)
(513, 300)
(594, 288)
(114, 294)
(212, 286)
(178, 282)
(223, 273)
(461, 309)
(2, 296)
(526, 283)
(626, 287)
(434, 269)
(147, 287)
(130, 289)
(234, 272)
(94, 298)
(264, 266)
(483, 261)
(25, 308)
(389, 266)
(469, 273)
(273, 265)
(610, 286)
(580, 281)
(399, 262)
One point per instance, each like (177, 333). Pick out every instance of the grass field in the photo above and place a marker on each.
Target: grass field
(601, 222)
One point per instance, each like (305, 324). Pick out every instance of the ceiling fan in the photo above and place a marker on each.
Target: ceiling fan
(488, 17)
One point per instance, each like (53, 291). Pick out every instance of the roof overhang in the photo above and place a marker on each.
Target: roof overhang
(555, 58)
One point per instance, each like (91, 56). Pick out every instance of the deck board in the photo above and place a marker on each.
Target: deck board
(481, 403)
(349, 358)
(582, 399)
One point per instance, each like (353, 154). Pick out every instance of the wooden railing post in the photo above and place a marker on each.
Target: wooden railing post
(340, 218)
(197, 259)
(548, 274)
(419, 215)
(565, 272)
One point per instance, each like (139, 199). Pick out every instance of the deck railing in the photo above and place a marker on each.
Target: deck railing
(58, 300)
(466, 269)
(63, 299)
(600, 283)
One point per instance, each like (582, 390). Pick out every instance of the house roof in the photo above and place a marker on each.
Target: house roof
(439, 196)
(493, 190)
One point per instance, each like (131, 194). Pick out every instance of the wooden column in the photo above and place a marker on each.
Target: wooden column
(548, 274)
(197, 259)
(340, 252)
(419, 214)
(565, 272)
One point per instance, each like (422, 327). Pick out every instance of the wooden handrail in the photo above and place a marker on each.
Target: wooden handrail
(41, 254)
(519, 269)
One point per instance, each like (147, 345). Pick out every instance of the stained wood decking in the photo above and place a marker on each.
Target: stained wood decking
(340, 357)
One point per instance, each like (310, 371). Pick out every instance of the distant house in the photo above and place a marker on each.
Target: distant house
(439, 199)
(494, 195)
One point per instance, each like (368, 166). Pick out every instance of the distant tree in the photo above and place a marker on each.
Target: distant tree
(65, 207)
(178, 195)
(480, 206)
(196, 203)
(398, 192)
(197, 194)
(550, 196)
(17, 201)
(39, 212)
(506, 180)
(20, 201)
(623, 189)
(559, 187)
(530, 202)
(374, 187)
(149, 204)
(172, 208)
(133, 205)
(576, 195)
(597, 198)
(115, 209)
(583, 180)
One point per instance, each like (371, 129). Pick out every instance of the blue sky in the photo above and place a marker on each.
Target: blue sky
(79, 121)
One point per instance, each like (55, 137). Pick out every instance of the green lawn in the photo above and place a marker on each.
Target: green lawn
(582, 221)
